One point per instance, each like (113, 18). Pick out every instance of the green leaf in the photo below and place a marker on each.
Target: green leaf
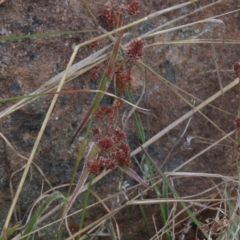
(38, 35)
(175, 193)
(33, 221)
(8, 232)
(3, 100)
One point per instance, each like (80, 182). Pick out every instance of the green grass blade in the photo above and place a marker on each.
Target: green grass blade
(165, 195)
(33, 221)
(94, 106)
(142, 137)
(3, 100)
(140, 129)
(92, 110)
(8, 232)
(105, 81)
(39, 35)
(144, 218)
(175, 193)
(85, 202)
(165, 209)
(137, 118)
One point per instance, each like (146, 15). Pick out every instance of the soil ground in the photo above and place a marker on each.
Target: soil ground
(27, 64)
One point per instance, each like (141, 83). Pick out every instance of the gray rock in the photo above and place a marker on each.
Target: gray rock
(145, 27)
(15, 86)
(167, 71)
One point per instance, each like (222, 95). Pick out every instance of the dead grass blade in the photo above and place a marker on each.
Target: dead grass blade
(185, 116)
(93, 152)
(97, 222)
(195, 41)
(53, 82)
(205, 150)
(175, 193)
(169, 23)
(105, 93)
(183, 26)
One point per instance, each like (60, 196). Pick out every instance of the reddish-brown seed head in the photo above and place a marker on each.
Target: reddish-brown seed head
(236, 69)
(111, 16)
(135, 50)
(105, 143)
(118, 135)
(238, 148)
(96, 131)
(133, 8)
(94, 166)
(237, 123)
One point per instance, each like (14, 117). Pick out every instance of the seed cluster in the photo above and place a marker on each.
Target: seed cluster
(237, 123)
(123, 77)
(114, 151)
(236, 69)
(95, 72)
(105, 111)
(135, 50)
(113, 147)
(114, 16)
(132, 8)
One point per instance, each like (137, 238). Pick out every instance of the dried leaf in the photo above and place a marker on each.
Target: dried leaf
(135, 176)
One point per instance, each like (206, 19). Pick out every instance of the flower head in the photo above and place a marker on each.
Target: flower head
(106, 143)
(118, 135)
(95, 72)
(238, 148)
(94, 166)
(132, 8)
(117, 103)
(108, 163)
(122, 155)
(104, 111)
(123, 78)
(135, 50)
(237, 123)
(110, 16)
(236, 69)
(96, 131)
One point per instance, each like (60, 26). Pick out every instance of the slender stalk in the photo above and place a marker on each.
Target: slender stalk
(175, 193)
(85, 203)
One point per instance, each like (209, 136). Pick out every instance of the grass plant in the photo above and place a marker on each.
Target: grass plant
(105, 148)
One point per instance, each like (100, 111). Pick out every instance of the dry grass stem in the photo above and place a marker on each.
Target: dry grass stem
(186, 116)
(221, 195)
